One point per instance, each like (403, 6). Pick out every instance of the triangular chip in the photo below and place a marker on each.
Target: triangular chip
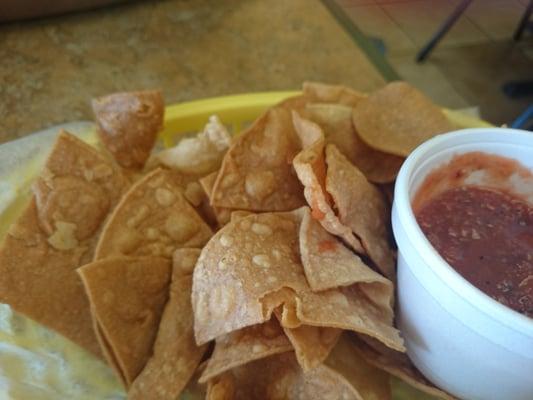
(128, 124)
(256, 172)
(252, 266)
(361, 206)
(55, 235)
(311, 344)
(327, 262)
(398, 118)
(222, 215)
(184, 260)
(310, 166)
(336, 122)
(199, 155)
(153, 218)
(175, 354)
(324, 93)
(397, 364)
(244, 346)
(127, 296)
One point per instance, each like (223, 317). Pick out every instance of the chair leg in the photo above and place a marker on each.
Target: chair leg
(523, 22)
(445, 27)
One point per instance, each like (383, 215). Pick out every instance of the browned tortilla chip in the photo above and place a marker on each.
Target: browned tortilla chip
(280, 377)
(128, 124)
(336, 121)
(127, 296)
(175, 354)
(153, 218)
(244, 346)
(310, 167)
(397, 364)
(327, 262)
(336, 94)
(222, 215)
(398, 118)
(184, 260)
(362, 207)
(256, 172)
(57, 233)
(252, 266)
(239, 214)
(311, 344)
(221, 387)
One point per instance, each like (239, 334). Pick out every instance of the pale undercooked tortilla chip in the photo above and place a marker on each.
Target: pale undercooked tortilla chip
(310, 166)
(311, 344)
(175, 354)
(280, 377)
(398, 118)
(256, 172)
(199, 155)
(252, 266)
(128, 124)
(323, 93)
(396, 364)
(361, 206)
(327, 262)
(127, 296)
(244, 346)
(153, 218)
(221, 214)
(56, 234)
(336, 122)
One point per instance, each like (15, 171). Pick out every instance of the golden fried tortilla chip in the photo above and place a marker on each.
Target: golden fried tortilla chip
(221, 214)
(310, 167)
(127, 296)
(311, 344)
(244, 346)
(252, 266)
(175, 354)
(327, 262)
(221, 387)
(396, 364)
(55, 235)
(153, 218)
(398, 118)
(128, 124)
(318, 92)
(336, 122)
(256, 172)
(361, 206)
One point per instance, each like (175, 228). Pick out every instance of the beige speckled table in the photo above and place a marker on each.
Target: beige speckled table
(50, 69)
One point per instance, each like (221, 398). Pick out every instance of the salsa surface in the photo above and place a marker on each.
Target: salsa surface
(487, 236)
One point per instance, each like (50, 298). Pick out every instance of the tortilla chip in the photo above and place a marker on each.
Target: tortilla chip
(361, 207)
(128, 124)
(221, 387)
(199, 155)
(57, 233)
(370, 382)
(311, 344)
(222, 215)
(127, 296)
(153, 218)
(398, 118)
(239, 214)
(397, 364)
(184, 260)
(256, 172)
(327, 262)
(323, 93)
(244, 346)
(310, 167)
(336, 121)
(252, 266)
(175, 354)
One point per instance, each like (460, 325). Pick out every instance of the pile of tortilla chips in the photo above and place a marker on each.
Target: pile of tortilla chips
(254, 267)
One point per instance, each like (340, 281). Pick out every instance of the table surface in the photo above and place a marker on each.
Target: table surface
(190, 49)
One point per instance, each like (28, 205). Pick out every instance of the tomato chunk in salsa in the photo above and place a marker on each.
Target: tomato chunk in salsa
(487, 236)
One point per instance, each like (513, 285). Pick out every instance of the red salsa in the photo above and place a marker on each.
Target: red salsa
(487, 236)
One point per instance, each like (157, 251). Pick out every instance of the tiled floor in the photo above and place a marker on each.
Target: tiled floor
(469, 65)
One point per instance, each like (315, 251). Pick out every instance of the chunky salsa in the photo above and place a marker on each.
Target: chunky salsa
(487, 236)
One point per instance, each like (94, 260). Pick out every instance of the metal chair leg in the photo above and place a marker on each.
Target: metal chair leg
(445, 27)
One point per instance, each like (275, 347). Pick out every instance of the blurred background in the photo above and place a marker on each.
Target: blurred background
(56, 56)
